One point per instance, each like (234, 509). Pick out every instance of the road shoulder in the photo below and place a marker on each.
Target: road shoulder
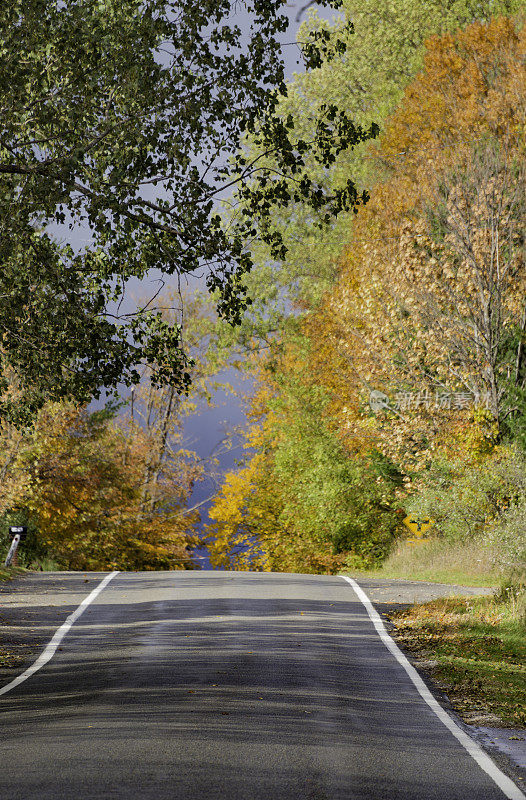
(32, 607)
(506, 745)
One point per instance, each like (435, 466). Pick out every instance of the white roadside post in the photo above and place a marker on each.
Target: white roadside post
(12, 550)
(18, 532)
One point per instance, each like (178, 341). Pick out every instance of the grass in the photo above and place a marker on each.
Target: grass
(46, 564)
(475, 650)
(438, 561)
(41, 565)
(7, 573)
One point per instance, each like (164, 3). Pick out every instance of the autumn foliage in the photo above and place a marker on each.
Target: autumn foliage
(428, 308)
(433, 284)
(388, 359)
(81, 482)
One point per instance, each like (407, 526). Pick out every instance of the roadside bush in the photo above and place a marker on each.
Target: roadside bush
(507, 541)
(368, 533)
(470, 499)
(483, 502)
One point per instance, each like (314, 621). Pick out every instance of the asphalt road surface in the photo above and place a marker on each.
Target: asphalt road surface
(236, 686)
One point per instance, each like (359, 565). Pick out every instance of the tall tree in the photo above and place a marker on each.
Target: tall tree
(368, 81)
(431, 298)
(128, 117)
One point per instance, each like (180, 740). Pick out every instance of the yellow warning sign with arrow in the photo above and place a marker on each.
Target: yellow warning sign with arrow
(418, 526)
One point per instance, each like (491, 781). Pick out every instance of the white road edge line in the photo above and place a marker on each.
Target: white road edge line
(505, 784)
(49, 651)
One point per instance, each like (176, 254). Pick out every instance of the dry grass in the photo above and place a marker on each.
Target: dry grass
(7, 573)
(463, 563)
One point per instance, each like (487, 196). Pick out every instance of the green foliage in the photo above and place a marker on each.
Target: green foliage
(127, 118)
(327, 496)
(514, 383)
(483, 502)
(368, 534)
(507, 541)
(468, 499)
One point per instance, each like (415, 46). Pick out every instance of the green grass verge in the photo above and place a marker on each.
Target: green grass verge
(438, 561)
(475, 650)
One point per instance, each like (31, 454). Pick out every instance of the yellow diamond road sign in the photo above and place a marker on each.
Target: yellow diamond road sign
(418, 526)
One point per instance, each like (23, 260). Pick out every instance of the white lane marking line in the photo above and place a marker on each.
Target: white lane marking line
(49, 651)
(504, 783)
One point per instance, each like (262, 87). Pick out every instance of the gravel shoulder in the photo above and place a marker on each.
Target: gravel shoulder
(395, 592)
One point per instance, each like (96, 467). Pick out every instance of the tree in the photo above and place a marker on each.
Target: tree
(78, 480)
(128, 117)
(431, 297)
(245, 520)
(368, 81)
(300, 504)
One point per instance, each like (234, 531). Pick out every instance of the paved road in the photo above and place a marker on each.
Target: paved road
(235, 686)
